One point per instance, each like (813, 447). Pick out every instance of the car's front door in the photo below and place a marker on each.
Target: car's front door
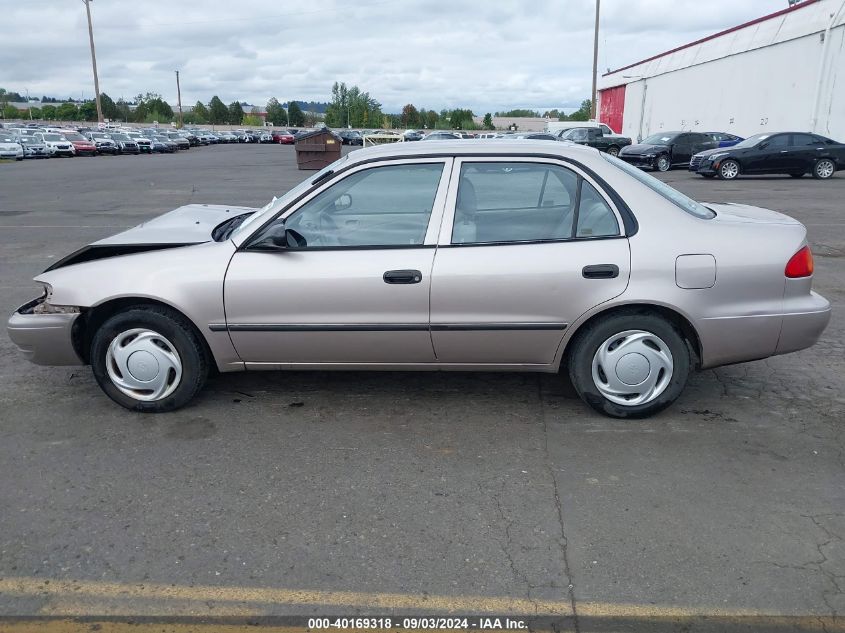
(354, 288)
(772, 155)
(526, 248)
(682, 149)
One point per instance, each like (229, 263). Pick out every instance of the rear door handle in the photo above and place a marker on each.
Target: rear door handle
(600, 271)
(402, 277)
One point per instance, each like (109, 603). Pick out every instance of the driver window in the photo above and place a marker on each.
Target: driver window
(382, 206)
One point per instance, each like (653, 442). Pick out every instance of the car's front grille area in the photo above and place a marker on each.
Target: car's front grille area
(695, 161)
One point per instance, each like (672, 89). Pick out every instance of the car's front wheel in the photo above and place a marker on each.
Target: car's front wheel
(613, 150)
(148, 358)
(630, 365)
(662, 163)
(824, 169)
(729, 170)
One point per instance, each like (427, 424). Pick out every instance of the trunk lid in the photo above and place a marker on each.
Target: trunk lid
(732, 213)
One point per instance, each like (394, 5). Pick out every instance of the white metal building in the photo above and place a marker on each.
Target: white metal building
(783, 71)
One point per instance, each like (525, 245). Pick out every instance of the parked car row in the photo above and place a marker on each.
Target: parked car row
(21, 141)
(713, 155)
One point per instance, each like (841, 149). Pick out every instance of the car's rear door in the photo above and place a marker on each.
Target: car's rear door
(526, 247)
(357, 291)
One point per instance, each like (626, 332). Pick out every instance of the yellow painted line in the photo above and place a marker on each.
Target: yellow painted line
(26, 586)
(68, 598)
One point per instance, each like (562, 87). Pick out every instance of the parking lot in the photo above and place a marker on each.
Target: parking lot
(346, 493)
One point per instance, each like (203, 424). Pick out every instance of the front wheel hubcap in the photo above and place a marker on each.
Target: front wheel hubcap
(632, 368)
(729, 170)
(143, 364)
(663, 163)
(825, 169)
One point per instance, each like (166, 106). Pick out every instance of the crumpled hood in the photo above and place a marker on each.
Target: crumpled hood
(191, 224)
(641, 148)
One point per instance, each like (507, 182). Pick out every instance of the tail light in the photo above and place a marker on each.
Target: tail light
(800, 264)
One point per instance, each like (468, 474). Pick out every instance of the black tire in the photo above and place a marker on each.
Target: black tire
(177, 330)
(824, 169)
(663, 163)
(797, 174)
(729, 169)
(613, 150)
(587, 342)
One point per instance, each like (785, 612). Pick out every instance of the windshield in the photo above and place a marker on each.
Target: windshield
(53, 137)
(658, 139)
(751, 141)
(99, 135)
(276, 204)
(5, 138)
(72, 136)
(658, 186)
(120, 137)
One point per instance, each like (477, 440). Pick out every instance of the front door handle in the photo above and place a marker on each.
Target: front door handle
(600, 271)
(402, 277)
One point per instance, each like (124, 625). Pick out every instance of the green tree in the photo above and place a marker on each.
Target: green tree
(276, 114)
(460, 119)
(431, 120)
(88, 111)
(218, 113)
(582, 113)
(200, 113)
(519, 112)
(11, 112)
(110, 110)
(552, 114)
(67, 112)
(236, 113)
(35, 113)
(48, 113)
(297, 116)
(251, 120)
(488, 122)
(410, 116)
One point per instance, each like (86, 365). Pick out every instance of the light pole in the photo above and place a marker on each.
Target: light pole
(179, 99)
(28, 104)
(595, 62)
(94, 61)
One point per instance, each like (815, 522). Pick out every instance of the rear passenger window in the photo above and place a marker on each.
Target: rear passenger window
(595, 218)
(803, 140)
(518, 202)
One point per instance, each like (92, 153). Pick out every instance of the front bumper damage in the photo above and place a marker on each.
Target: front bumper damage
(44, 333)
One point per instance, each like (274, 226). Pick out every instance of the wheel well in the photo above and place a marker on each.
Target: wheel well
(676, 318)
(93, 318)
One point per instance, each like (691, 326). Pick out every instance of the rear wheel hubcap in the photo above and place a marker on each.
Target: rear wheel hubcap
(632, 367)
(825, 169)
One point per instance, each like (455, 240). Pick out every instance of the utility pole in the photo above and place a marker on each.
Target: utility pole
(595, 62)
(94, 61)
(179, 99)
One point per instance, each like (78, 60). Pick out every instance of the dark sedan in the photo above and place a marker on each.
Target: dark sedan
(351, 137)
(667, 149)
(793, 153)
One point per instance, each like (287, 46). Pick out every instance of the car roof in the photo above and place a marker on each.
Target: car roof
(472, 146)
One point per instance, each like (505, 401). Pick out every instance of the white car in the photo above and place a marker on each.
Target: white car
(9, 147)
(56, 144)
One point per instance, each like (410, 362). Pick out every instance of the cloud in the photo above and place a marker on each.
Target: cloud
(486, 55)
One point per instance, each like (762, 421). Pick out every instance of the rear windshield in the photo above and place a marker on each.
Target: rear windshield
(658, 186)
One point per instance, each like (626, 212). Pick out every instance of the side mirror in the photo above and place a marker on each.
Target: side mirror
(343, 202)
(284, 238)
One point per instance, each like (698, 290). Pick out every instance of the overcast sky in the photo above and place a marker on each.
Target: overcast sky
(486, 55)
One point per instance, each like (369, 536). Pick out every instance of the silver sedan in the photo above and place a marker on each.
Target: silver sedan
(463, 255)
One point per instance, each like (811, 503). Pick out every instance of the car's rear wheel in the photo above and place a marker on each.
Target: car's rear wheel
(613, 150)
(149, 359)
(630, 365)
(823, 169)
(729, 170)
(662, 163)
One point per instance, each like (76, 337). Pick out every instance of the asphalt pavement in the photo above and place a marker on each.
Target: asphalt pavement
(430, 493)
